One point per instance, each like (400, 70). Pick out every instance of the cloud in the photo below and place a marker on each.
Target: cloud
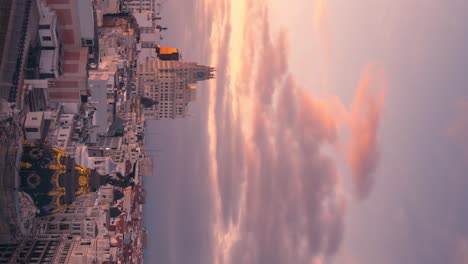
(458, 128)
(323, 39)
(461, 252)
(279, 192)
(277, 195)
(365, 115)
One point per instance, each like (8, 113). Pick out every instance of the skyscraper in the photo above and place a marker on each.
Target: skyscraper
(171, 85)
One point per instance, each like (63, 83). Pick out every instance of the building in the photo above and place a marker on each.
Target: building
(34, 126)
(146, 166)
(94, 159)
(63, 128)
(102, 91)
(77, 235)
(77, 23)
(135, 6)
(53, 180)
(77, 30)
(36, 95)
(168, 53)
(38, 249)
(69, 87)
(88, 28)
(170, 85)
(51, 43)
(104, 7)
(148, 36)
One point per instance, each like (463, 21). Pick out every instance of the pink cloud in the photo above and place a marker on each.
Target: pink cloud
(365, 115)
(323, 39)
(458, 128)
(291, 193)
(461, 252)
(270, 135)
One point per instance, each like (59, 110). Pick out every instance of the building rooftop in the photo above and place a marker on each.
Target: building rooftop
(48, 61)
(144, 18)
(85, 12)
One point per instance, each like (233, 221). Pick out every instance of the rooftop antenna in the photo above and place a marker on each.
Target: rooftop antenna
(161, 28)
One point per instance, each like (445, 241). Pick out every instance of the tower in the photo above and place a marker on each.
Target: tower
(172, 84)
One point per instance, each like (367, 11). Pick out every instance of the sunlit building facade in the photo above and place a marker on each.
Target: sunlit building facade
(171, 85)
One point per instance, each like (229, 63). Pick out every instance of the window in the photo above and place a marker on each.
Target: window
(44, 26)
(46, 38)
(32, 129)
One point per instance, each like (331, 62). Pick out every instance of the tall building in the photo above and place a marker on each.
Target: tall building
(171, 85)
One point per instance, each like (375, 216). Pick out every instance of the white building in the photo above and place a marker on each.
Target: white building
(61, 132)
(50, 38)
(171, 85)
(102, 89)
(87, 25)
(34, 126)
(103, 164)
(64, 132)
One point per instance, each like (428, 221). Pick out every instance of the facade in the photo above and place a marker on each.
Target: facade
(148, 36)
(51, 43)
(108, 6)
(36, 94)
(69, 87)
(77, 22)
(86, 158)
(63, 129)
(102, 90)
(53, 180)
(77, 31)
(34, 126)
(135, 6)
(170, 85)
(132, 139)
(38, 249)
(77, 235)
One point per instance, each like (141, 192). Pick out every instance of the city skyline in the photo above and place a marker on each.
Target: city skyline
(360, 103)
(233, 131)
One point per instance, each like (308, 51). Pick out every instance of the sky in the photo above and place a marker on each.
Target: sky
(334, 132)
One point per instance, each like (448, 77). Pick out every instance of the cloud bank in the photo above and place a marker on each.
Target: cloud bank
(277, 195)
